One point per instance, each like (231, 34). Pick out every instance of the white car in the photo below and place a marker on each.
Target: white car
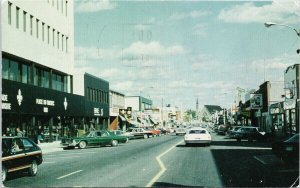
(197, 135)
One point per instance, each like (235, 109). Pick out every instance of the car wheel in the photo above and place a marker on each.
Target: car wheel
(82, 144)
(4, 173)
(33, 168)
(145, 136)
(114, 143)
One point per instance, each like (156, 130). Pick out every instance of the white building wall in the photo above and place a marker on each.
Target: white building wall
(133, 102)
(23, 44)
(117, 102)
(78, 86)
(276, 92)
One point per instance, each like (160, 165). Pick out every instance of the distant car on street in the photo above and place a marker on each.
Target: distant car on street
(141, 133)
(249, 133)
(233, 129)
(197, 135)
(20, 153)
(222, 129)
(94, 138)
(123, 133)
(287, 150)
(180, 131)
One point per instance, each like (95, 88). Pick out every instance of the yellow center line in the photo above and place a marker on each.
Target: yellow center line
(162, 166)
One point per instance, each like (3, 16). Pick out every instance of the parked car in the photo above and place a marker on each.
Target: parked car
(20, 153)
(233, 129)
(249, 133)
(222, 129)
(163, 131)
(287, 150)
(94, 138)
(140, 133)
(123, 133)
(180, 131)
(155, 132)
(197, 135)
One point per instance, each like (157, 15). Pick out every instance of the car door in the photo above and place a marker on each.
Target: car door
(31, 151)
(106, 137)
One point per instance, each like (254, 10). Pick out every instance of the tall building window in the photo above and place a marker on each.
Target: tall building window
(45, 79)
(65, 83)
(53, 37)
(66, 8)
(17, 17)
(67, 44)
(48, 34)
(43, 31)
(37, 28)
(62, 43)
(36, 76)
(57, 39)
(31, 24)
(62, 6)
(24, 21)
(57, 4)
(25, 74)
(9, 13)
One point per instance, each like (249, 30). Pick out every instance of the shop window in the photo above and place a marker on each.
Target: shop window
(45, 79)
(25, 74)
(14, 71)
(36, 76)
(5, 68)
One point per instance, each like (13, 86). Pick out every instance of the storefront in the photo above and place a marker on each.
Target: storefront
(291, 111)
(277, 117)
(58, 113)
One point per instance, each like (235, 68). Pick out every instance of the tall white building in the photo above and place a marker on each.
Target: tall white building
(37, 66)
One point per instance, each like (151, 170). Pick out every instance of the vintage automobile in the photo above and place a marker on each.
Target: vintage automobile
(140, 133)
(249, 133)
(155, 132)
(20, 153)
(197, 135)
(180, 131)
(122, 133)
(287, 150)
(94, 138)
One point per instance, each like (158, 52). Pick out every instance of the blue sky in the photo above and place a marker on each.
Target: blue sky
(184, 50)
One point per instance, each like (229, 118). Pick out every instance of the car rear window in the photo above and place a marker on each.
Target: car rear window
(197, 132)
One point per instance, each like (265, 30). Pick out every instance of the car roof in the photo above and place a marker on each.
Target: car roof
(197, 128)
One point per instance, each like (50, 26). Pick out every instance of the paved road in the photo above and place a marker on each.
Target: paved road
(163, 161)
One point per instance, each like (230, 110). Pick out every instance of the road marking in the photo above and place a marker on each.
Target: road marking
(162, 166)
(68, 174)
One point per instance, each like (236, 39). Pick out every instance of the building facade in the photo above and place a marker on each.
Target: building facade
(37, 66)
(116, 103)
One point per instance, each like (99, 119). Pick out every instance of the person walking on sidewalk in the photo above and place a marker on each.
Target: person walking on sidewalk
(40, 135)
(19, 132)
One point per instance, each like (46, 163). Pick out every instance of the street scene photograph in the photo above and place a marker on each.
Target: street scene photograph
(150, 93)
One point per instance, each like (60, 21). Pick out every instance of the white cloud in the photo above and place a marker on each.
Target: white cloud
(94, 5)
(192, 14)
(278, 11)
(204, 62)
(94, 53)
(153, 48)
(200, 30)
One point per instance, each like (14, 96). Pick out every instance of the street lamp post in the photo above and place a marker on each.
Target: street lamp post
(269, 24)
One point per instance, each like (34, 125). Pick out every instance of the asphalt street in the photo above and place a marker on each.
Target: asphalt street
(160, 162)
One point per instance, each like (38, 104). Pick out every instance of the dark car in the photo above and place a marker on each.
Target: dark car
(94, 138)
(222, 129)
(287, 150)
(20, 153)
(233, 129)
(248, 133)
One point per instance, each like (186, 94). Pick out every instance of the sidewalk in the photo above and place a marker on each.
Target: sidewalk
(50, 147)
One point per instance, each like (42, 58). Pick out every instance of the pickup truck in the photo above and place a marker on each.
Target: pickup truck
(140, 133)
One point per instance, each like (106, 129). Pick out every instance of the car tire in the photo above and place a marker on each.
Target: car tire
(114, 143)
(4, 173)
(82, 144)
(33, 168)
(145, 136)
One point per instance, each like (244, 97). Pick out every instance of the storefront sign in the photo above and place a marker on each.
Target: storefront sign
(256, 101)
(5, 104)
(276, 108)
(45, 102)
(289, 104)
(98, 111)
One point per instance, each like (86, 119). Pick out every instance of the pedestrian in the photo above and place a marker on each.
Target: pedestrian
(19, 132)
(7, 132)
(40, 135)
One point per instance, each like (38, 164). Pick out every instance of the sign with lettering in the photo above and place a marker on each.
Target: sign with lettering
(5, 104)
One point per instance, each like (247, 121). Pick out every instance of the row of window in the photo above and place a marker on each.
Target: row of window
(43, 31)
(30, 74)
(61, 5)
(96, 95)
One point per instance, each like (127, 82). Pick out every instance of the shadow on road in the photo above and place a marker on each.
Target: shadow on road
(252, 168)
(191, 145)
(164, 184)
(242, 143)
